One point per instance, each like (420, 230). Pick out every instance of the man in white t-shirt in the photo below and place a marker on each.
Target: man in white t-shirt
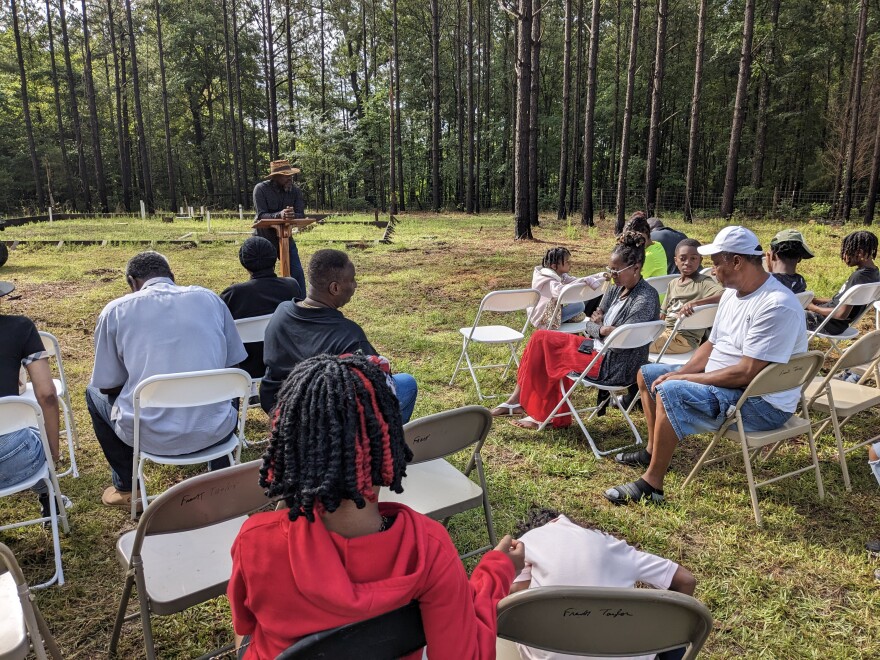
(562, 553)
(759, 321)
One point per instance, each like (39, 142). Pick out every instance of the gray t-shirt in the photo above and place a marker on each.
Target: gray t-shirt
(166, 329)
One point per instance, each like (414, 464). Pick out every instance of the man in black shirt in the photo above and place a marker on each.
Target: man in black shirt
(278, 197)
(303, 329)
(669, 238)
(260, 295)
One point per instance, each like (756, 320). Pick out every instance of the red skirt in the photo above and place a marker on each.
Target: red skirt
(549, 357)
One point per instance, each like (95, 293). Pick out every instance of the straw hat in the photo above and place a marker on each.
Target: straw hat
(282, 167)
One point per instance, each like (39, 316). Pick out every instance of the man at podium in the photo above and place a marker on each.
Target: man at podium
(278, 197)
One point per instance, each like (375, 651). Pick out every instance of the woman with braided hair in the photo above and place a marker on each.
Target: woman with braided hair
(336, 555)
(857, 250)
(550, 356)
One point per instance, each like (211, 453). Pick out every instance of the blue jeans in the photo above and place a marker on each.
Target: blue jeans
(695, 408)
(407, 389)
(21, 456)
(296, 269)
(571, 310)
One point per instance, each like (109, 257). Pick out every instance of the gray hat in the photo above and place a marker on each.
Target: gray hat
(6, 287)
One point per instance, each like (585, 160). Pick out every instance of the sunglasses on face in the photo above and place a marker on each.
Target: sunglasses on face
(610, 272)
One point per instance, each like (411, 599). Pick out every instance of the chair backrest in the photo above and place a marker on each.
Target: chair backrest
(805, 298)
(661, 282)
(17, 413)
(633, 335)
(861, 294)
(252, 329)
(510, 300)
(780, 377)
(390, 635)
(447, 432)
(203, 500)
(578, 292)
(604, 621)
(192, 388)
(863, 351)
(702, 318)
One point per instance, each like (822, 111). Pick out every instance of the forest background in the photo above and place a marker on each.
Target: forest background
(749, 106)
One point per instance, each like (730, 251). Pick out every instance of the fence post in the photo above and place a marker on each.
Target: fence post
(240, 213)
(50, 214)
(143, 211)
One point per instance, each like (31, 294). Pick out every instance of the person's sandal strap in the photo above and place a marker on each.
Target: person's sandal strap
(506, 410)
(632, 492)
(636, 458)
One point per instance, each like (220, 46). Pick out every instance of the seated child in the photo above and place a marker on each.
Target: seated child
(337, 555)
(857, 250)
(562, 553)
(683, 294)
(549, 278)
(787, 249)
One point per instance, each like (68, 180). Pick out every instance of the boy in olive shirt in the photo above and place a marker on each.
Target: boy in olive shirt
(683, 294)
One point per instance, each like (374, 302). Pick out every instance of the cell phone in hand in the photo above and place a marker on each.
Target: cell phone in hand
(586, 346)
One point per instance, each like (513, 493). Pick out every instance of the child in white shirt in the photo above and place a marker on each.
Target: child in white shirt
(562, 553)
(549, 278)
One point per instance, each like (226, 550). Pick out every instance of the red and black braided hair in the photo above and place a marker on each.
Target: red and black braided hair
(336, 434)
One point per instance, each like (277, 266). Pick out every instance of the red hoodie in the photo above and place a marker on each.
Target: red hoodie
(290, 579)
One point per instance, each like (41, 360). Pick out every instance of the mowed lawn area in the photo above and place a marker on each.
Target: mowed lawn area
(801, 587)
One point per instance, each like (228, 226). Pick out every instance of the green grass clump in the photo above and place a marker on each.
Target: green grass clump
(802, 586)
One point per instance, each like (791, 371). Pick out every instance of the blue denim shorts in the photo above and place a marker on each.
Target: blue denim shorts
(21, 456)
(695, 408)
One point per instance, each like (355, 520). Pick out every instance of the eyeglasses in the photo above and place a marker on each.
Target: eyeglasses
(610, 272)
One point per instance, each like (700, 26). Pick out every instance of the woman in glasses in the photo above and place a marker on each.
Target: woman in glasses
(550, 356)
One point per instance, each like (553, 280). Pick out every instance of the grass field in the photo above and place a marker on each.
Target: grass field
(801, 587)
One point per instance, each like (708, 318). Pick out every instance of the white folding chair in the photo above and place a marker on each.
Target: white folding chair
(187, 390)
(579, 621)
(513, 300)
(179, 555)
(661, 283)
(252, 330)
(625, 337)
(53, 350)
(22, 626)
(574, 293)
(877, 315)
(805, 298)
(709, 271)
(860, 295)
(798, 372)
(841, 400)
(702, 319)
(432, 485)
(18, 412)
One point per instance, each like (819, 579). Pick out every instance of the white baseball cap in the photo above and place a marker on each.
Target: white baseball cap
(734, 239)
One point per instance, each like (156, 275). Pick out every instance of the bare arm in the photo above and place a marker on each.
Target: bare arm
(736, 376)
(688, 309)
(44, 390)
(842, 313)
(683, 581)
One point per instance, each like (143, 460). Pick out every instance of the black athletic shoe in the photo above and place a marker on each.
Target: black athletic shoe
(639, 458)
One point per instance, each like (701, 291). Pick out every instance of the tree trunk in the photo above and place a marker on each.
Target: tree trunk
(693, 139)
(26, 110)
(97, 156)
(523, 226)
(169, 160)
(146, 175)
(460, 118)
(533, 118)
(589, 119)
(874, 186)
(847, 191)
(398, 133)
(739, 110)
(245, 195)
(487, 166)
(616, 130)
(469, 184)
(271, 82)
(577, 154)
(74, 111)
(764, 101)
(562, 208)
(290, 99)
(236, 154)
(392, 157)
(656, 100)
(627, 117)
(436, 200)
(56, 88)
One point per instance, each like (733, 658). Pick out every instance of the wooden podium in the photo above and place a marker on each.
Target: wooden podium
(284, 230)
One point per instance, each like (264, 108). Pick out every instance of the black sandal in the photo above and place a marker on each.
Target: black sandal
(634, 491)
(637, 458)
